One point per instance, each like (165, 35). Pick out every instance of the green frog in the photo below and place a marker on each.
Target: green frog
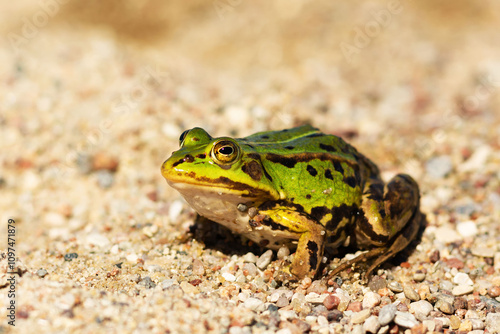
(298, 188)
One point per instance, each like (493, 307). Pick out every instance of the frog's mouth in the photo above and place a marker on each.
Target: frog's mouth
(217, 187)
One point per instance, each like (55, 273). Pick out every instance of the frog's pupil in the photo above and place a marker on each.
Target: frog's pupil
(226, 150)
(183, 135)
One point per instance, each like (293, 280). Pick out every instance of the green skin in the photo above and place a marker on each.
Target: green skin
(298, 188)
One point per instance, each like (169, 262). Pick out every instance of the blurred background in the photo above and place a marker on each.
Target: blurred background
(95, 94)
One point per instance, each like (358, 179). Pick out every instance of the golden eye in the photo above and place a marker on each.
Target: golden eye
(225, 152)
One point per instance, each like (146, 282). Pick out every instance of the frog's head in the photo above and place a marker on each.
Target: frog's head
(217, 167)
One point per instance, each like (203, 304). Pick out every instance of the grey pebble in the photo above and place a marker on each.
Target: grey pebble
(387, 314)
(439, 167)
(41, 273)
(395, 287)
(410, 293)
(147, 282)
(105, 178)
(264, 260)
(405, 319)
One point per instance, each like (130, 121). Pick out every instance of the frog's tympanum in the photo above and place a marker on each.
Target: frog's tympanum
(298, 188)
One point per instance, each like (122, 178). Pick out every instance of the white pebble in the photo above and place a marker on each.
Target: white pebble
(229, 277)
(405, 319)
(371, 325)
(467, 228)
(422, 306)
(371, 299)
(264, 260)
(386, 314)
(361, 316)
(461, 290)
(97, 239)
(462, 279)
(253, 304)
(175, 210)
(483, 251)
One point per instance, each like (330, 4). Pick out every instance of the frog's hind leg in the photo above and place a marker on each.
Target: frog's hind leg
(390, 220)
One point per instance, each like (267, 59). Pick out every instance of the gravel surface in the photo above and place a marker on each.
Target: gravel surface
(94, 97)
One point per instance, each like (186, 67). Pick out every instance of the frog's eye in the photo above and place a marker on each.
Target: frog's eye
(182, 137)
(225, 152)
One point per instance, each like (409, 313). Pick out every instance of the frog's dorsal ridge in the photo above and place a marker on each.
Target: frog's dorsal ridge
(282, 136)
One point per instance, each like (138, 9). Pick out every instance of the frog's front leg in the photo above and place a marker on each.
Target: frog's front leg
(311, 240)
(391, 220)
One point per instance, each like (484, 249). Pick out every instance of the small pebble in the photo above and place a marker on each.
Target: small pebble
(467, 229)
(331, 302)
(41, 273)
(465, 326)
(387, 314)
(377, 283)
(422, 306)
(371, 325)
(410, 293)
(283, 252)
(418, 276)
(254, 304)
(229, 277)
(445, 307)
(371, 299)
(147, 282)
(70, 256)
(405, 319)
(493, 322)
(282, 302)
(250, 269)
(355, 306)
(461, 290)
(439, 167)
(198, 268)
(361, 316)
(462, 279)
(395, 287)
(483, 251)
(494, 291)
(454, 322)
(264, 260)
(189, 288)
(105, 178)
(434, 256)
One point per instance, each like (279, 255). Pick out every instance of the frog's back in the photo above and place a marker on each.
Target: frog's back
(316, 172)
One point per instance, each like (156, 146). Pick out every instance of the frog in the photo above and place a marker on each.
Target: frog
(297, 188)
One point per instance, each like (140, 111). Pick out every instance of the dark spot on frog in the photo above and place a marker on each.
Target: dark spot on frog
(263, 243)
(273, 225)
(312, 247)
(338, 167)
(339, 213)
(381, 212)
(254, 156)
(351, 181)
(195, 139)
(177, 162)
(315, 135)
(253, 169)
(312, 170)
(366, 228)
(289, 147)
(285, 161)
(201, 156)
(308, 196)
(319, 212)
(328, 174)
(375, 192)
(328, 148)
(265, 137)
